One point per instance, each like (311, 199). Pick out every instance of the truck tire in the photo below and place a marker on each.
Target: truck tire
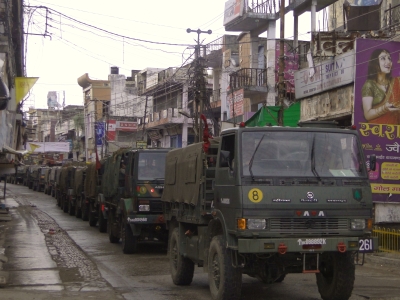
(225, 281)
(336, 278)
(71, 208)
(182, 268)
(111, 236)
(129, 242)
(78, 210)
(85, 210)
(102, 222)
(92, 216)
(64, 203)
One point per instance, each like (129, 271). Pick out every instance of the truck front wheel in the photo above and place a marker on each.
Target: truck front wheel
(92, 216)
(102, 222)
(129, 242)
(182, 268)
(336, 278)
(225, 280)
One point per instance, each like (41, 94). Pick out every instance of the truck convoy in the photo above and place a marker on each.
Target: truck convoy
(262, 201)
(266, 202)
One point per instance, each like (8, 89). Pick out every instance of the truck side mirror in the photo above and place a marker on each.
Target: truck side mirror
(224, 158)
(372, 162)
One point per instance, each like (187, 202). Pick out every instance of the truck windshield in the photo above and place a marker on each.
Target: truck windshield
(151, 166)
(291, 154)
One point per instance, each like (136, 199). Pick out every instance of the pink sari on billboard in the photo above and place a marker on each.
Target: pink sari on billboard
(392, 95)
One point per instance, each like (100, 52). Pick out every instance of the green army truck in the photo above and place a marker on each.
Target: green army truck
(266, 202)
(75, 183)
(130, 197)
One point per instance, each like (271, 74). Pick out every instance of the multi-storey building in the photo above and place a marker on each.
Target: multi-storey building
(11, 66)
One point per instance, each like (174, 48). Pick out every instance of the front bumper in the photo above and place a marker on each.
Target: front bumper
(315, 245)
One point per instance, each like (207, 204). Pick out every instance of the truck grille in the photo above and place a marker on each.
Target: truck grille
(156, 206)
(326, 226)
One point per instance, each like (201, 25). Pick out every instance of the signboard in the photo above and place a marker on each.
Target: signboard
(126, 126)
(291, 65)
(50, 147)
(237, 108)
(376, 96)
(111, 130)
(329, 74)
(99, 132)
(141, 144)
(233, 10)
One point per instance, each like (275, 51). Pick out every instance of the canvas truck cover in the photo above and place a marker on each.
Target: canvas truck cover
(183, 174)
(110, 179)
(78, 183)
(91, 181)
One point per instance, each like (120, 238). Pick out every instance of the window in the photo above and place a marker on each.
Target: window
(174, 141)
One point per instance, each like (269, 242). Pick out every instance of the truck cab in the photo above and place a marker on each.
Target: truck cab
(266, 202)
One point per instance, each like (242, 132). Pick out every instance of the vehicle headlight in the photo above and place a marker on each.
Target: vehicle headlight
(145, 207)
(357, 224)
(256, 224)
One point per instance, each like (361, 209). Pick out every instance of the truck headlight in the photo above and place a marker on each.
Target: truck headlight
(256, 224)
(144, 207)
(357, 224)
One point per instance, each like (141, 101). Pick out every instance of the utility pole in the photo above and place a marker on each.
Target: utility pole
(281, 84)
(199, 83)
(144, 120)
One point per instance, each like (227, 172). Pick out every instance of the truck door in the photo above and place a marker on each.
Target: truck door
(129, 173)
(225, 183)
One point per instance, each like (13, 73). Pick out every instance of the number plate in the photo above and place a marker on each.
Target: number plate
(366, 245)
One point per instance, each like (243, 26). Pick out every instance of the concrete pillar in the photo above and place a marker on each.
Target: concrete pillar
(271, 59)
(185, 120)
(254, 41)
(295, 30)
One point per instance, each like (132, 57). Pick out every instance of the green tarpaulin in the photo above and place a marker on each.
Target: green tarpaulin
(269, 115)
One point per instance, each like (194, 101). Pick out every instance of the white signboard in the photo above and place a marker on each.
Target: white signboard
(329, 74)
(48, 147)
(233, 10)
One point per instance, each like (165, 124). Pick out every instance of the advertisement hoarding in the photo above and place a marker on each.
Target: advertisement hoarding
(376, 97)
(235, 108)
(99, 130)
(291, 64)
(233, 10)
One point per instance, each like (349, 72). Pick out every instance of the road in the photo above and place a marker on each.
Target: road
(51, 254)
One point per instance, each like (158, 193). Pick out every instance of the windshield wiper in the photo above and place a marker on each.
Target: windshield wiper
(313, 160)
(252, 158)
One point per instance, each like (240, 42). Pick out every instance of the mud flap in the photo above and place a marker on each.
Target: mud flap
(102, 208)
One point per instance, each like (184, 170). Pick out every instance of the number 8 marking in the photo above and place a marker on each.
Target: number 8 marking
(255, 195)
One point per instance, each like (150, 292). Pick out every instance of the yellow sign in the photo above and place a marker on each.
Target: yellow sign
(141, 144)
(22, 86)
(380, 188)
(255, 195)
(390, 171)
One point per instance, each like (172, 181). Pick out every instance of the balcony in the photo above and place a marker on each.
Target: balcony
(165, 118)
(254, 15)
(253, 81)
(392, 18)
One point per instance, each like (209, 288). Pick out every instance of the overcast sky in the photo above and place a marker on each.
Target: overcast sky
(75, 45)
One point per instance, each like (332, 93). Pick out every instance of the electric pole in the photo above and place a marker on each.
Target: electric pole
(199, 83)
(281, 84)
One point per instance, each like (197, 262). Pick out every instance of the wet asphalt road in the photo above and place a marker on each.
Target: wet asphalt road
(74, 260)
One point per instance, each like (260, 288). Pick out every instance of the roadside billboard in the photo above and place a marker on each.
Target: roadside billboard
(376, 97)
(291, 64)
(235, 108)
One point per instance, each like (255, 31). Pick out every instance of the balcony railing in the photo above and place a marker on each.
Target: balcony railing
(392, 17)
(248, 77)
(262, 6)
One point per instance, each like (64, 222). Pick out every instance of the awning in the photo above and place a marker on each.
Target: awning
(269, 115)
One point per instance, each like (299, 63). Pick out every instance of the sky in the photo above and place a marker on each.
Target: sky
(75, 37)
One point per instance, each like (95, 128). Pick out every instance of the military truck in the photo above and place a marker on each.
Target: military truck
(266, 202)
(39, 178)
(32, 175)
(75, 188)
(130, 200)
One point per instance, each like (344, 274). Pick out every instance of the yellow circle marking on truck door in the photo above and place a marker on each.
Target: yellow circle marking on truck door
(255, 195)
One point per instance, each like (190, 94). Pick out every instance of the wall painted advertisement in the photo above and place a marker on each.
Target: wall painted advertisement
(377, 113)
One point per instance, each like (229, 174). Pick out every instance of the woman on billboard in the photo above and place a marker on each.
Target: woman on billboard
(381, 92)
